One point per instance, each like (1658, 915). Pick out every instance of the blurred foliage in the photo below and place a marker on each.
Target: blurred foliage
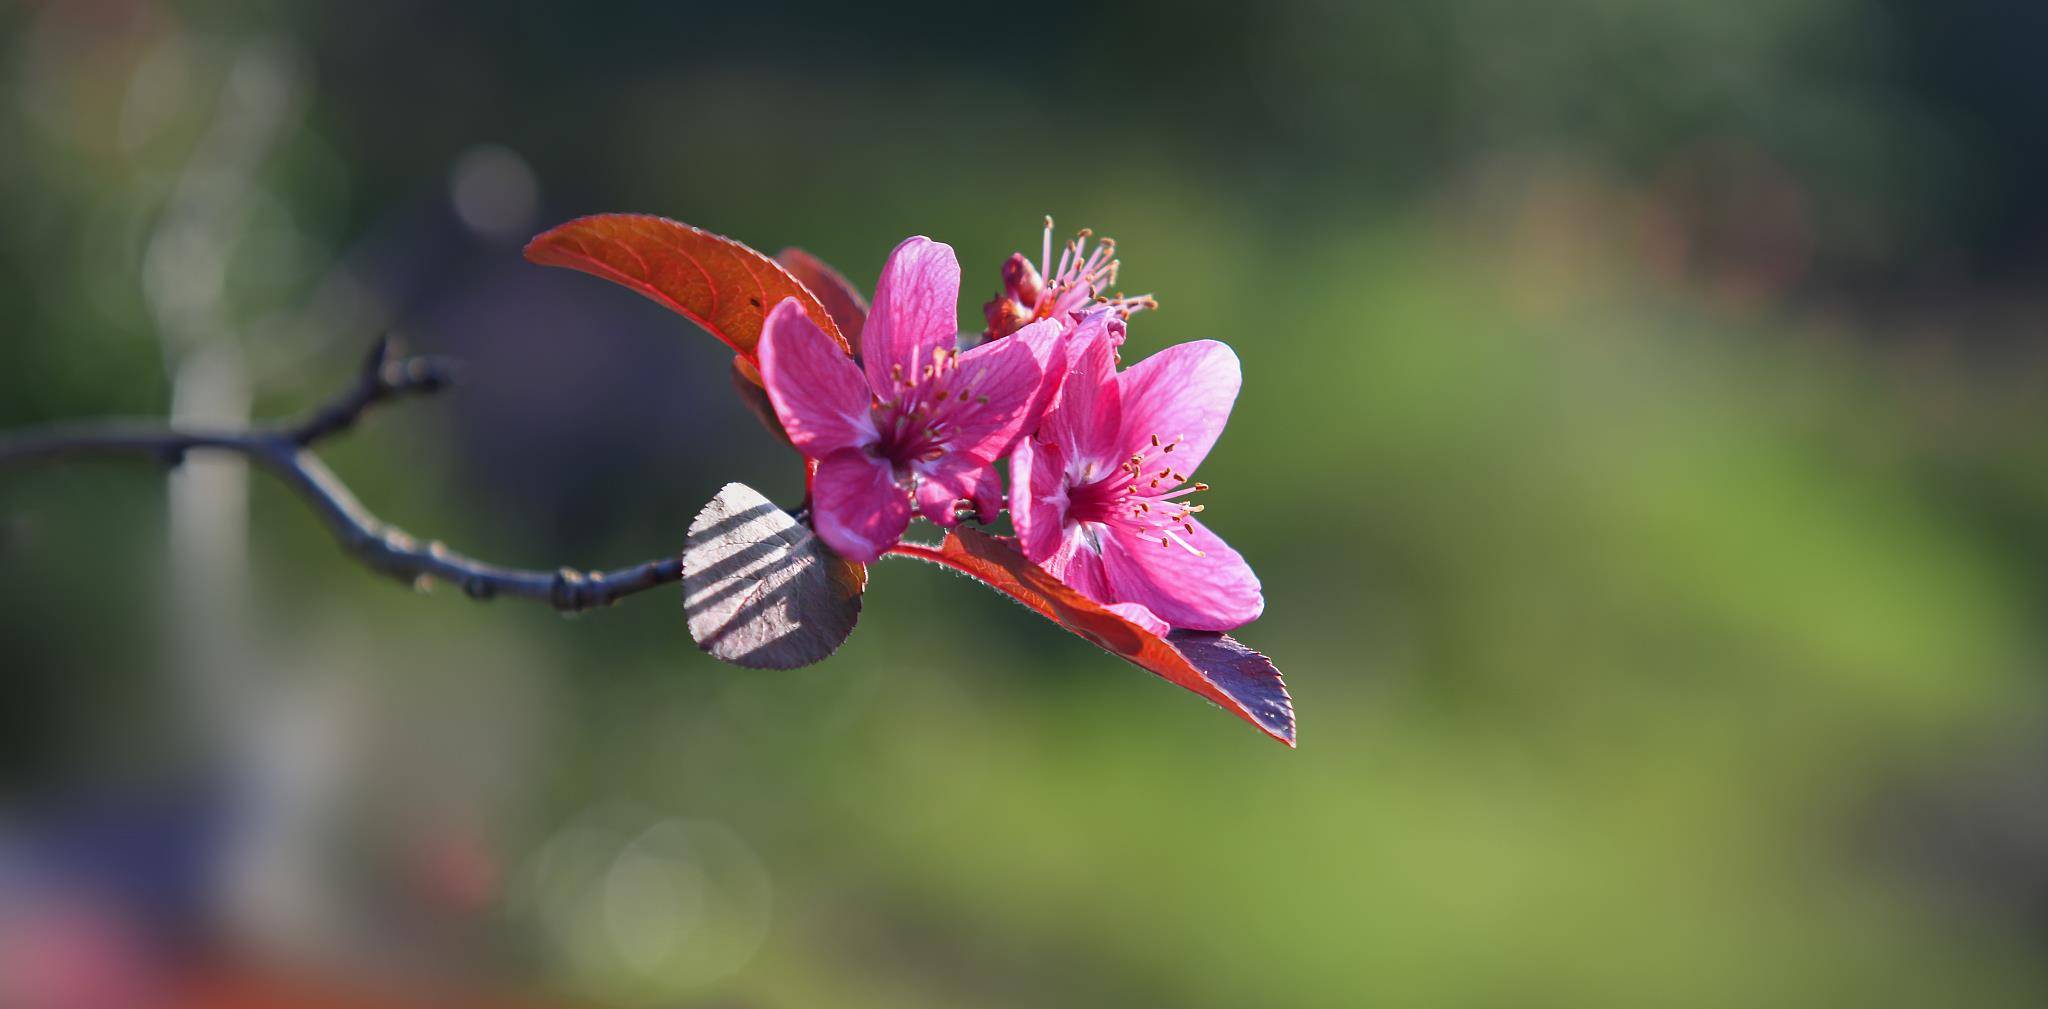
(1639, 447)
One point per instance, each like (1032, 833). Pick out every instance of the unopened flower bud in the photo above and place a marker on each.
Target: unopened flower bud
(1005, 316)
(1021, 280)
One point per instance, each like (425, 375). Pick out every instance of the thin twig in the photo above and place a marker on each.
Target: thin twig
(286, 453)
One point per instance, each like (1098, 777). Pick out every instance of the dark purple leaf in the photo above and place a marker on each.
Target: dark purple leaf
(760, 589)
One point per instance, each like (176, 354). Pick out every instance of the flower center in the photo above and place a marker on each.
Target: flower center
(930, 400)
(1142, 495)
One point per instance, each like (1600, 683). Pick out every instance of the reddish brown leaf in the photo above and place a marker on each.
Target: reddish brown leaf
(713, 281)
(1216, 666)
(841, 299)
(746, 382)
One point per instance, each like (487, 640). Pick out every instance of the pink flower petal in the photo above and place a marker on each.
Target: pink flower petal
(1141, 616)
(936, 500)
(947, 483)
(997, 385)
(1085, 420)
(1215, 591)
(818, 391)
(1186, 392)
(1101, 324)
(916, 310)
(1075, 336)
(986, 491)
(1038, 498)
(1081, 568)
(856, 505)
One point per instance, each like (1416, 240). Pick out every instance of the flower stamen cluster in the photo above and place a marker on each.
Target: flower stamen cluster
(1044, 291)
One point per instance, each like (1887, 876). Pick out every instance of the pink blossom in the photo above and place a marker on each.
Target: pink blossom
(1064, 291)
(1099, 493)
(924, 424)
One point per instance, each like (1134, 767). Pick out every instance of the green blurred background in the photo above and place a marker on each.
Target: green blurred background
(1638, 447)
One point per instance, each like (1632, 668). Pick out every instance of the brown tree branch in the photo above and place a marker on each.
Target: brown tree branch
(286, 453)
